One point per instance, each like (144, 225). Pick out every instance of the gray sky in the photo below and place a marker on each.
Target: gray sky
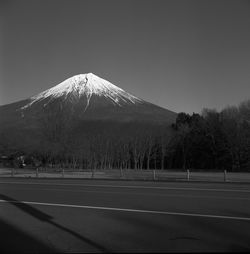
(181, 55)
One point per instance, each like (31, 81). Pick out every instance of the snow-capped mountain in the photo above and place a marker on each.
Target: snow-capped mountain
(85, 85)
(79, 110)
(84, 98)
(90, 97)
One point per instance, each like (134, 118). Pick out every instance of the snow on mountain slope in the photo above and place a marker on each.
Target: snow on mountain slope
(85, 85)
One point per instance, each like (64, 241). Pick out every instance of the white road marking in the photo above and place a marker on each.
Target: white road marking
(129, 210)
(129, 186)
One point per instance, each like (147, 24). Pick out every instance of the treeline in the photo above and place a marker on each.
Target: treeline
(108, 146)
(214, 140)
(208, 141)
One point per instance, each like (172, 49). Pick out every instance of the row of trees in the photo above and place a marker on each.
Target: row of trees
(215, 140)
(210, 140)
(106, 150)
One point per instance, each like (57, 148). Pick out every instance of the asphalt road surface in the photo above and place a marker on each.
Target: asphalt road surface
(49, 215)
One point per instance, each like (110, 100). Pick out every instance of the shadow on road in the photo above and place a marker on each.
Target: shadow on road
(49, 219)
(15, 240)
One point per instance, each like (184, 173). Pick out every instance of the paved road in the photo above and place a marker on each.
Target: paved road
(46, 215)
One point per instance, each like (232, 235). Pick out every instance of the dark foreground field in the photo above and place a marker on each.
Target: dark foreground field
(48, 215)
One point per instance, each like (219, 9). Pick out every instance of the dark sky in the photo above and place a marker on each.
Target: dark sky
(181, 55)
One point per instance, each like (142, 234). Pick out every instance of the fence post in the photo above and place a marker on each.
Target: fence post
(154, 175)
(12, 172)
(225, 175)
(93, 173)
(63, 172)
(36, 172)
(188, 174)
(121, 173)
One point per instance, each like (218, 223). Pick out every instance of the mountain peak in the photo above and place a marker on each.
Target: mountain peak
(85, 85)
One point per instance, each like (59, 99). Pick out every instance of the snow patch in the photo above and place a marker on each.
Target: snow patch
(85, 85)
